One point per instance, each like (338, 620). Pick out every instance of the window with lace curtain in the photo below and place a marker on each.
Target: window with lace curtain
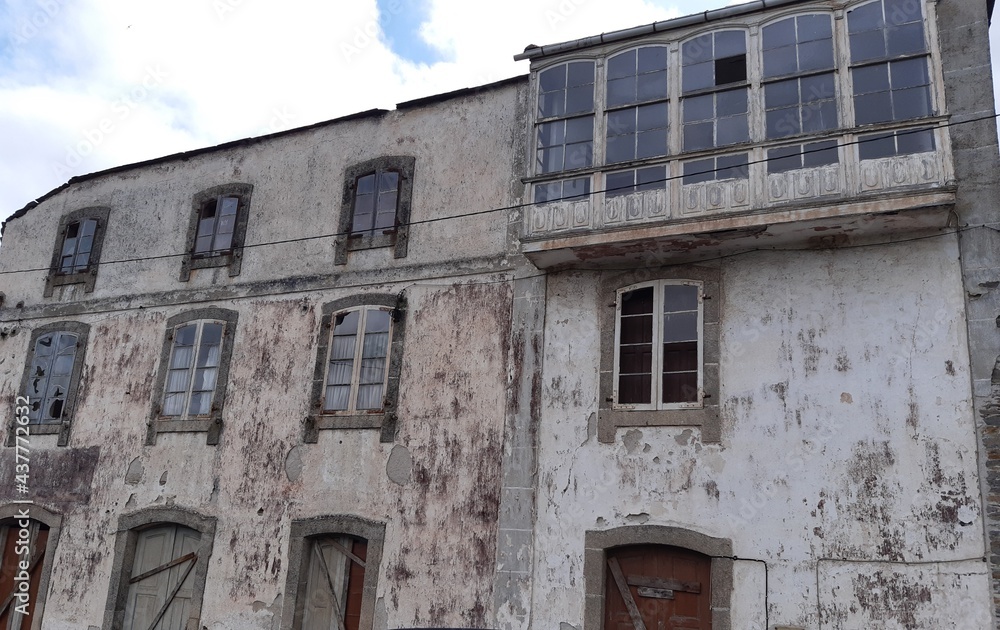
(194, 369)
(356, 382)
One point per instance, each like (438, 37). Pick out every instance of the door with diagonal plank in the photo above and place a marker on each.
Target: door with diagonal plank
(657, 587)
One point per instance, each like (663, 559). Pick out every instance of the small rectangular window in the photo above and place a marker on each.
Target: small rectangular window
(799, 156)
(51, 373)
(216, 224)
(903, 142)
(717, 168)
(194, 368)
(77, 245)
(659, 347)
(566, 190)
(357, 370)
(375, 203)
(635, 180)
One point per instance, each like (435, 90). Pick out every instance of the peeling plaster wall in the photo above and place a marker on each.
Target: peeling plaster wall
(436, 487)
(848, 434)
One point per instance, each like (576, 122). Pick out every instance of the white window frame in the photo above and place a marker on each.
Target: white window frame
(356, 367)
(656, 385)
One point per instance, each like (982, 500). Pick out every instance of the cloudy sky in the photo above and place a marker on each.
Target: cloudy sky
(90, 84)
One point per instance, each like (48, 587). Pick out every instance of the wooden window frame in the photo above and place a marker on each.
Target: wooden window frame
(706, 416)
(299, 545)
(211, 423)
(396, 237)
(126, 537)
(384, 419)
(231, 257)
(88, 276)
(62, 429)
(10, 515)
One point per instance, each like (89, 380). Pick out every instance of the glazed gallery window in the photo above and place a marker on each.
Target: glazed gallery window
(194, 367)
(53, 368)
(77, 251)
(218, 228)
(714, 82)
(637, 107)
(335, 582)
(799, 82)
(358, 364)
(376, 198)
(889, 62)
(565, 127)
(658, 345)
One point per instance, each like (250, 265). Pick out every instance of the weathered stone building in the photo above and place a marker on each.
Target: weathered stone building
(694, 327)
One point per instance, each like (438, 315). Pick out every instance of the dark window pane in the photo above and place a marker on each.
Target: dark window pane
(817, 55)
(906, 39)
(697, 50)
(908, 73)
(731, 102)
(915, 142)
(580, 99)
(636, 329)
(634, 390)
(911, 103)
(88, 227)
(781, 94)
(730, 43)
(820, 153)
(732, 167)
(779, 34)
(732, 130)
(682, 297)
(783, 159)
(699, 108)
(547, 192)
(366, 184)
(779, 61)
(902, 11)
(651, 143)
(388, 181)
(651, 116)
(698, 76)
(618, 184)
(551, 134)
(680, 388)
(819, 116)
(782, 122)
(228, 206)
(549, 160)
(865, 18)
(872, 108)
(621, 122)
(552, 79)
(551, 104)
(818, 88)
(867, 45)
(622, 65)
(652, 58)
(731, 70)
(580, 73)
(681, 356)
(699, 171)
(620, 148)
(698, 136)
(576, 188)
(579, 129)
(621, 91)
(638, 301)
(871, 79)
(652, 86)
(813, 27)
(651, 178)
(876, 146)
(579, 155)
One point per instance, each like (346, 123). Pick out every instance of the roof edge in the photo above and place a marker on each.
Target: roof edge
(538, 52)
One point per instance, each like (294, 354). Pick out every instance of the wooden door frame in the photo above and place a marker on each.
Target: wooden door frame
(597, 544)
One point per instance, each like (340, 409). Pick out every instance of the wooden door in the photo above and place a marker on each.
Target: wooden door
(12, 610)
(656, 587)
(162, 579)
(336, 582)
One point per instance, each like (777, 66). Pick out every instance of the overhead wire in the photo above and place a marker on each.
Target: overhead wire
(877, 135)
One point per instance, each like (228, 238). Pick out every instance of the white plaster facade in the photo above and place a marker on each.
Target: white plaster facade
(836, 467)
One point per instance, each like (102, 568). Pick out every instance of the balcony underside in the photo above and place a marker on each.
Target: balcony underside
(847, 223)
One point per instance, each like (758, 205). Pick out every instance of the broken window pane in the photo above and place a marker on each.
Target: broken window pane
(51, 371)
(77, 245)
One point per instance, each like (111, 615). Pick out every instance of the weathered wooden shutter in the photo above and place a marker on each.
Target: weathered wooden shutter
(335, 584)
(10, 617)
(162, 579)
